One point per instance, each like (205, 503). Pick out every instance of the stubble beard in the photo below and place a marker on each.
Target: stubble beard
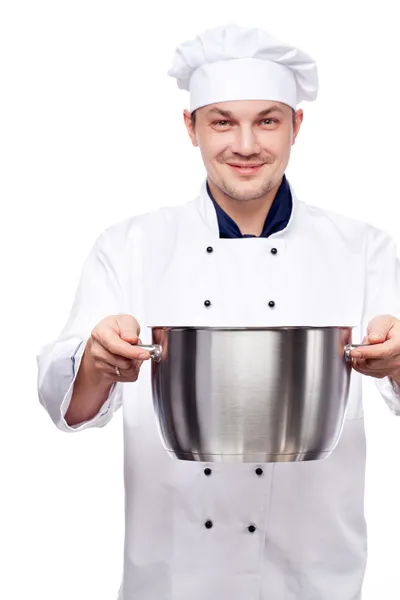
(246, 196)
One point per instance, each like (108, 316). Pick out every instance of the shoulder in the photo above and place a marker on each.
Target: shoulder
(153, 226)
(327, 218)
(331, 221)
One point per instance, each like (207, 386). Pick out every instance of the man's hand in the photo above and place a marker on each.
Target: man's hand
(382, 358)
(110, 346)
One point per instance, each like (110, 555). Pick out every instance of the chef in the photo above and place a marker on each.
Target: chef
(246, 251)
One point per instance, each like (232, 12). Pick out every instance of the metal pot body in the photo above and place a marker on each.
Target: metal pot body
(250, 394)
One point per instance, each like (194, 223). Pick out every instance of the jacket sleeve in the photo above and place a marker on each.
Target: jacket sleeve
(382, 297)
(98, 295)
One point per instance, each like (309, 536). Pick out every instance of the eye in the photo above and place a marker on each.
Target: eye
(270, 120)
(221, 123)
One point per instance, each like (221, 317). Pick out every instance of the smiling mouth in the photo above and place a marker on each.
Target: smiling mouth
(245, 169)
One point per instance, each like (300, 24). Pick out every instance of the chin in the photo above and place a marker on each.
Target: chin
(244, 193)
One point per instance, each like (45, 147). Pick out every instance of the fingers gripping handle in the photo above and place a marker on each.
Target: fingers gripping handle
(154, 350)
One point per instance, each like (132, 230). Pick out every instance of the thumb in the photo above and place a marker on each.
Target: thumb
(129, 328)
(378, 328)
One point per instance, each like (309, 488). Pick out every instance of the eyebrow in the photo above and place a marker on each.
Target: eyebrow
(227, 113)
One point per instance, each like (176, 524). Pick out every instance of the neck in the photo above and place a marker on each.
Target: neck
(249, 215)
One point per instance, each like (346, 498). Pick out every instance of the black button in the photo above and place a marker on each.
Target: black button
(207, 303)
(208, 524)
(259, 471)
(251, 528)
(210, 249)
(271, 303)
(274, 251)
(207, 471)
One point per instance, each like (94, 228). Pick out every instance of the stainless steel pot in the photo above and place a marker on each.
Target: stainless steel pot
(273, 394)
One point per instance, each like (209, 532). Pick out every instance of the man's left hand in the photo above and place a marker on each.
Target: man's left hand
(382, 358)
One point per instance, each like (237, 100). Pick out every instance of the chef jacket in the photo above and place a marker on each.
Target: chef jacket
(218, 531)
(277, 217)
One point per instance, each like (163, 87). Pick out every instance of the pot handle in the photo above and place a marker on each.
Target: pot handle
(349, 347)
(155, 350)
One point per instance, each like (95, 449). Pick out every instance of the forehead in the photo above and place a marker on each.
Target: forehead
(244, 109)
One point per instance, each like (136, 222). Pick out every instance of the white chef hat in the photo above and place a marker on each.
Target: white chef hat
(231, 62)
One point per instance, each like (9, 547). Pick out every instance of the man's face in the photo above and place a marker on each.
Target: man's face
(254, 134)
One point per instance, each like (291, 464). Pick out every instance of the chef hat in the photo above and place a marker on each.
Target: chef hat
(231, 62)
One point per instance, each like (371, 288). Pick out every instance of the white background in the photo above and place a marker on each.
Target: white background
(92, 132)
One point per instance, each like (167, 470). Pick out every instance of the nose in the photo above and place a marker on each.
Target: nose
(245, 142)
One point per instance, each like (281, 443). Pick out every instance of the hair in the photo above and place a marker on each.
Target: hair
(193, 118)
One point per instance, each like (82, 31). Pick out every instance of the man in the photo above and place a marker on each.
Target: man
(245, 251)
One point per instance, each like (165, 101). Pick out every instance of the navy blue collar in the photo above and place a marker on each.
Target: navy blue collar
(277, 218)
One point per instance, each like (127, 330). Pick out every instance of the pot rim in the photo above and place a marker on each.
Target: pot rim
(251, 328)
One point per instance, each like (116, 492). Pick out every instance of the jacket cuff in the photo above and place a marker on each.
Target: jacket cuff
(106, 411)
(390, 391)
(57, 375)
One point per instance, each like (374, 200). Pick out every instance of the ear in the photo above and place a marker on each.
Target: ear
(299, 115)
(188, 122)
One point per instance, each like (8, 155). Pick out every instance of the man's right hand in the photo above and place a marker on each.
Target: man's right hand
(110, 346)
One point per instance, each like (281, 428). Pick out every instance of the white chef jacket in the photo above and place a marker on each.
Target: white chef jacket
(310, 540)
